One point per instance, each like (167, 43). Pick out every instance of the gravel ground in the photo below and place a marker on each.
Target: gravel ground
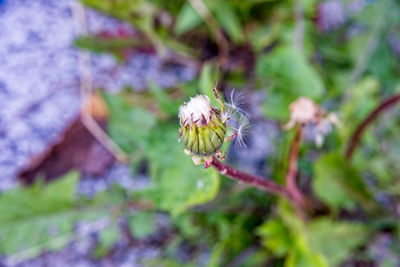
(39, 76)
(39, 98)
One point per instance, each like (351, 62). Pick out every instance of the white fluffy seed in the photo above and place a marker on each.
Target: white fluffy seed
(194, 111)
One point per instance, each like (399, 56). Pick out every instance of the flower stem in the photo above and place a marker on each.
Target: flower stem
(292, 170)
(252, 180)
(356, 137)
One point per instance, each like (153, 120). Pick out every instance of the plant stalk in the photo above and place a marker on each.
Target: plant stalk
(292, 170)
(356, 137)
(252, 180)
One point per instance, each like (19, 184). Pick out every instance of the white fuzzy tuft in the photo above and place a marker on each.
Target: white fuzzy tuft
(236, 100)
(233, 108)
(195, 110)
(240, 122)
(242, 130)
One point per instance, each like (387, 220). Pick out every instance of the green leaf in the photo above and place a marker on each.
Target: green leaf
(229, 20)
(17, 203)
(141, 224)
(186, 225)
(142, 121)
(384, 65)
(107, 238)
(178, 183)
(41, 217)
(343, 238)
(187, 19)
(31, 217)
(216, 254)
(113, 45)
(207, 80)
(361, 101)
(286, 236)
(262, 37)
(298, 258)
(139, 13)
(166, 104)
(275, 237)
(185, 186)
(129, 126)
(166, 262)
(339, 184)
(290, 76)
(276, 105)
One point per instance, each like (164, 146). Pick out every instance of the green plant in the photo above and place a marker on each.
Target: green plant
(321, 206)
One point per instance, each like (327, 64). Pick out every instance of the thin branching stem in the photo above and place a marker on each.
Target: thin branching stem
(356, 137)
(252, 180)
(291, 174)
(262, 184)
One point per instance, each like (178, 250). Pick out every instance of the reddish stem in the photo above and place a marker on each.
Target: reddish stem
(252, 180)
(356, 137)
(292, 170)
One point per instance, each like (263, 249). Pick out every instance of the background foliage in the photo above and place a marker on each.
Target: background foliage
(348, 67)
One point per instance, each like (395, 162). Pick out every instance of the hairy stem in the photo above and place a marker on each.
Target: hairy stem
(252, 180)
(356, 137)
(292, 170)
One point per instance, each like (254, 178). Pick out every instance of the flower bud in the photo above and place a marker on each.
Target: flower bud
(305, 112)
(202, 128)
(302, 111)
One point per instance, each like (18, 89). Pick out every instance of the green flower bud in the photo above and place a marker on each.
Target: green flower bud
(203, 128)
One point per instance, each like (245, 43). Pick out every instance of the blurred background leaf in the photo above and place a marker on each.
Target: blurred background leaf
(344, 55)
